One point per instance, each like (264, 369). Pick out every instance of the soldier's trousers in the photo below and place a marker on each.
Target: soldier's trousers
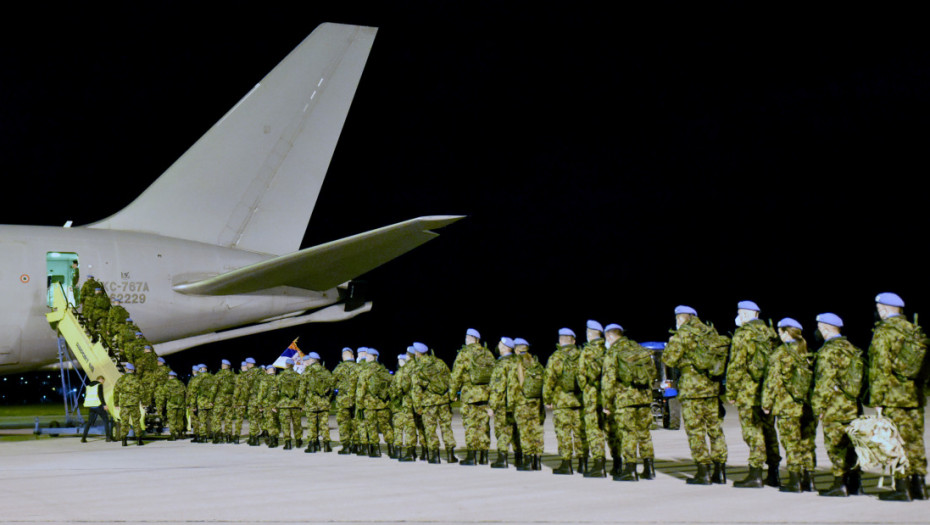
(130, 416)
(405, 430)
(377, 423)
(318, 425)
(205, 420)
(792, 432)
(701, 417)
(759, 434)
(270, 422)
(592, 426)
(910, 423)
(238, 414)
(636, 438)
(175, 417)
(289, 420)
(345, 420)
(255, 420)
(505, 432)
(840, 449)
(438, 416)
(568, 432)
(529, 427)
(222, 419)
(477, 426)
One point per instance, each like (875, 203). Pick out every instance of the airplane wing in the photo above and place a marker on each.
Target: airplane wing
(325, 266)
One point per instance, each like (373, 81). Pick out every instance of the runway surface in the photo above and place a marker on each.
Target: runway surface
(61, 480)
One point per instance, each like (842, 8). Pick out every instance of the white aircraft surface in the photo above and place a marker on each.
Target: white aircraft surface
(210, 251)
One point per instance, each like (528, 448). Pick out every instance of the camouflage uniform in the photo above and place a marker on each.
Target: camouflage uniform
(124, 339)
(171, 396)
(566, 403)
(834, 407)
(528, 413)
(268, 398)
(205, 393)
(795, 430)
(475, 396)
(254, 404)
(127, 394)
(116, 318)
(316, 393)
(377, 413)
(288, 404)
(87, 294)
(346, 377)
(699, 394)
(146, 369)
(240, 401)
(745, 391)
(901, 398)
(193, 390)
(435, 409)
(629, 404)
(223, 410)
(505, 424)
(591, 364)
(405, 430)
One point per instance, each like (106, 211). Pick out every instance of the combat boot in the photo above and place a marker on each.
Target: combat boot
(272, 441)
(527, 463)
(807, 481)
(124, 442)
(628, 473)
(217, 438)
(773, 479)
(583, 464)
(501, 461)
(433, 456)
(361, 450)
(649, 469)
(326, 446)
(345, 450)
(288, 445)
(393, 451)
(299, 443)
(720, 473)
(139, 441)
(918, 487)
(597, 469)
(753, 480)
(374, 450)
(793, 484)
(617, 466)
(517, 457)
(408, 455)
(235, 439)
(854, 482)
(537, 462)
(701, 477)
(450, 455)
(482, 457)
(901, 491)
(564, 468)
(469, 458)
(837, 489)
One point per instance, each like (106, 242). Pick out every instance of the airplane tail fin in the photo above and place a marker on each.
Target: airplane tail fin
(251, 182)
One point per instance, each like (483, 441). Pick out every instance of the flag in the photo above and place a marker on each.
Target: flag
(291, 352)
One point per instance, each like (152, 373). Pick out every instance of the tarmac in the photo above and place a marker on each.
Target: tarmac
(61, 480)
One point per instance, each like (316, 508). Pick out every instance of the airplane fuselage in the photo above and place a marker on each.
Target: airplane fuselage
(140, 269)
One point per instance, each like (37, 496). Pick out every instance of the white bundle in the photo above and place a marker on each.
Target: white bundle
(879, 446)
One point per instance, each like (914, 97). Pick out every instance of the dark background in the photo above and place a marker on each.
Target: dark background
(613, 163)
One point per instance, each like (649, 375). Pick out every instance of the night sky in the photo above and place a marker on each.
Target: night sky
(612, 163)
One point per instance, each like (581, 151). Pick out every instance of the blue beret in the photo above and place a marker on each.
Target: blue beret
(521, 341)
(411, 350)
(347, 349)
(363, 349)
(613, 326)
(289, 361)
(474, 333)
(890, 299)
(250, 360)
(830, 319)
(129, 319)
(243, 363)
(566, 331)
(225, 362)
(201, 365)
(787, 321)
(402, 357)
(173, 373)
(682, 309)
(161, 359)
(594, 325)
(98, 289)
(508, 342)
(421, 348)
(372, 351)
(138, 333)
(269, 367)
(748, 305)
(129, 366)
(195, 367)
(313, 355)
(147, 347)
(90, 276)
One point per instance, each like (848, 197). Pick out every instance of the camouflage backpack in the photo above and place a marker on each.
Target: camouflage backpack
(710, 355)
(433, 378)
(799, 380)
(758, 362)
(534, 376)
(287, 385)
(636, 367)
(320, 384)
(481, 366)
(910, 361)
(379, 383)
(176, 396)
(851, 377)
(568, 381)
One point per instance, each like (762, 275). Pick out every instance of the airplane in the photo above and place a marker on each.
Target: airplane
(210, 250)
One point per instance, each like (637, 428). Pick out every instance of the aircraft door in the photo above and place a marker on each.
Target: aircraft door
(63, 269)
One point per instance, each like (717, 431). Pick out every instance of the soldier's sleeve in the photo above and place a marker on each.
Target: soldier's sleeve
(553, 368)
(458, 371)
(609, 380)
(673, 352)
(768, 384)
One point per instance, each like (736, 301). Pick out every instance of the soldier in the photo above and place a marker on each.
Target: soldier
(346, 376)
(358, 420)
(629, 372)
(471, 375)
(590, 368)
(170, 397)
(524, 398)
(753, 342)
(896, 379)
(372, 395)
(785, 392)
(96, 309)
(432, 400)
(317, 393)
(400, 417)
(127, 394)
(699, 391)
(116, 318)
(193, 389)
(240, 400)
(562, 393)
(146, 368)
(288, 405)
(87, 294)
(124, 336)
(268, 397)
(136, 347)
(75, 278)
(205, 398)
(835, 401)
(224, 385)
(256, 376)
(505, 426)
